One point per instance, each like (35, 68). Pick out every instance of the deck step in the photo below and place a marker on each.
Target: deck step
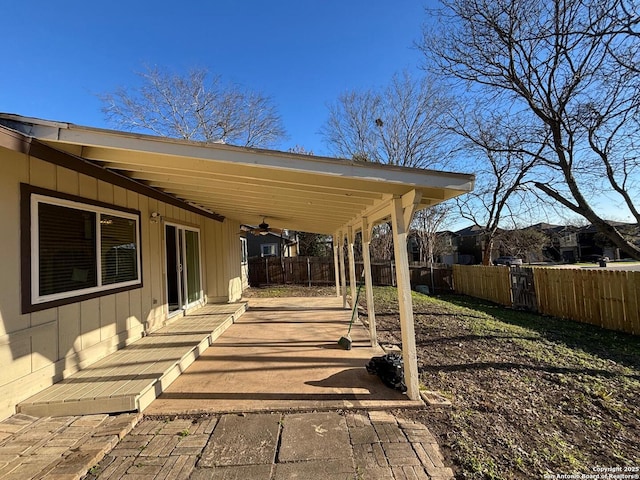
(134, 376)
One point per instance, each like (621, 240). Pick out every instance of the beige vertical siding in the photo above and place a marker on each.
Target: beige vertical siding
(223, 269)
(38, 349)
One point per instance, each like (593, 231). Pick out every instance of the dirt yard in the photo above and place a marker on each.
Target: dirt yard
(532, 395)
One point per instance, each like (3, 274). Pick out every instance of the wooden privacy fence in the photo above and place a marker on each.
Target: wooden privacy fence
(291, 270)
(320, 271)
(489, 283)
(606, 298)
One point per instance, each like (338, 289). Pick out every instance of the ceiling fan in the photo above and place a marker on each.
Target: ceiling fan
(262, 229)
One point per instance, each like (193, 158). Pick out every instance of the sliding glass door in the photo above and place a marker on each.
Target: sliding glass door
(184, 285)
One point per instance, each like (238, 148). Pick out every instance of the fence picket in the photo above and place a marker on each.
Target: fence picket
(542, 288)
(632, 301)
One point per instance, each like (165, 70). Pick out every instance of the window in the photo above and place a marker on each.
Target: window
(268, 249)
(243, 251)
(81, 249)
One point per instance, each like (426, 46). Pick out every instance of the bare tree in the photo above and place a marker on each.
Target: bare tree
(195, 106)
(427, 225)
(503, 172)
(527, 243)
(314, 245)
(299, 149)
(400, 124)
(571, 67)
(381, 242)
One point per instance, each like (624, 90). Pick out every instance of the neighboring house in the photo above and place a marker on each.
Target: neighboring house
(563, 242)
(451, 243)
(470, 244)
(592, 244)
(566, 244)
(444, 248)
(466, 245)
(108, 236)
(454, 248)
(570, 244)
(271, 245)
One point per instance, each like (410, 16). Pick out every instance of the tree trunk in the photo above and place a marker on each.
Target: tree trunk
(486, 253)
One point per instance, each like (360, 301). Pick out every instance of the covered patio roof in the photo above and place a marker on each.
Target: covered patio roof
(292, 191)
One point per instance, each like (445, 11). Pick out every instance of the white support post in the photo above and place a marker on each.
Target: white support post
(343, 273)
(336, 264)
(368, 281)
(352, 265)
(400, 220)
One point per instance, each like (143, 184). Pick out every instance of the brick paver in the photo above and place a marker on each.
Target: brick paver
(60, 448)
(372, 445)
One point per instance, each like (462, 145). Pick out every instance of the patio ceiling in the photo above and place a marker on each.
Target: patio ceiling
(292, 191)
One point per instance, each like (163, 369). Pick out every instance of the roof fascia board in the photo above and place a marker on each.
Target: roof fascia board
(14, 141)
(266, 158)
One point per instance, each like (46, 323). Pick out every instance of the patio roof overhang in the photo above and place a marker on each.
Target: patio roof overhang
(292, 191)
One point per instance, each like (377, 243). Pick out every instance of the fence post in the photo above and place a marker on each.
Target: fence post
(266, 268)
(393, 273)
(309, 271)
(433, 283)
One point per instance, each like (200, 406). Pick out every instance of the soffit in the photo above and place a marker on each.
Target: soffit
(292, 191)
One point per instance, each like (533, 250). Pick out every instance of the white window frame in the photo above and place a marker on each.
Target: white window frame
(272, 246)
(35, 201)
(244, 251)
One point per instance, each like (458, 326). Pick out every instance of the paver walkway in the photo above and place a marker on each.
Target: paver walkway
(272, 446)
(58, 448)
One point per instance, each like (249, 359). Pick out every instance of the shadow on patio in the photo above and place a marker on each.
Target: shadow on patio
(282, 354)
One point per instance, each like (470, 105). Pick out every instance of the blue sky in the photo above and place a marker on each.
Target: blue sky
(57, 56)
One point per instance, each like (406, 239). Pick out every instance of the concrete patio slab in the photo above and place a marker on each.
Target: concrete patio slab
(314, 436)
(242, 440)
(282, 354)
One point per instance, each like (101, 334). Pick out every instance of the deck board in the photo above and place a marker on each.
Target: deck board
(131, 378)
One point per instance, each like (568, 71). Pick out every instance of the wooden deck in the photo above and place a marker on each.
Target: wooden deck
(131, 378)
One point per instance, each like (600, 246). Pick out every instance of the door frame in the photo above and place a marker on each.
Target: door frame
(181, 228)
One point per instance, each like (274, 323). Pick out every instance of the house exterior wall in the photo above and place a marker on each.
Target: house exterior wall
(223, 263)
(255, 242)
(284, 247)
(40, 348)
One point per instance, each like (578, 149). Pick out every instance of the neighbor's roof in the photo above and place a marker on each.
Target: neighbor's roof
(293, 191)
